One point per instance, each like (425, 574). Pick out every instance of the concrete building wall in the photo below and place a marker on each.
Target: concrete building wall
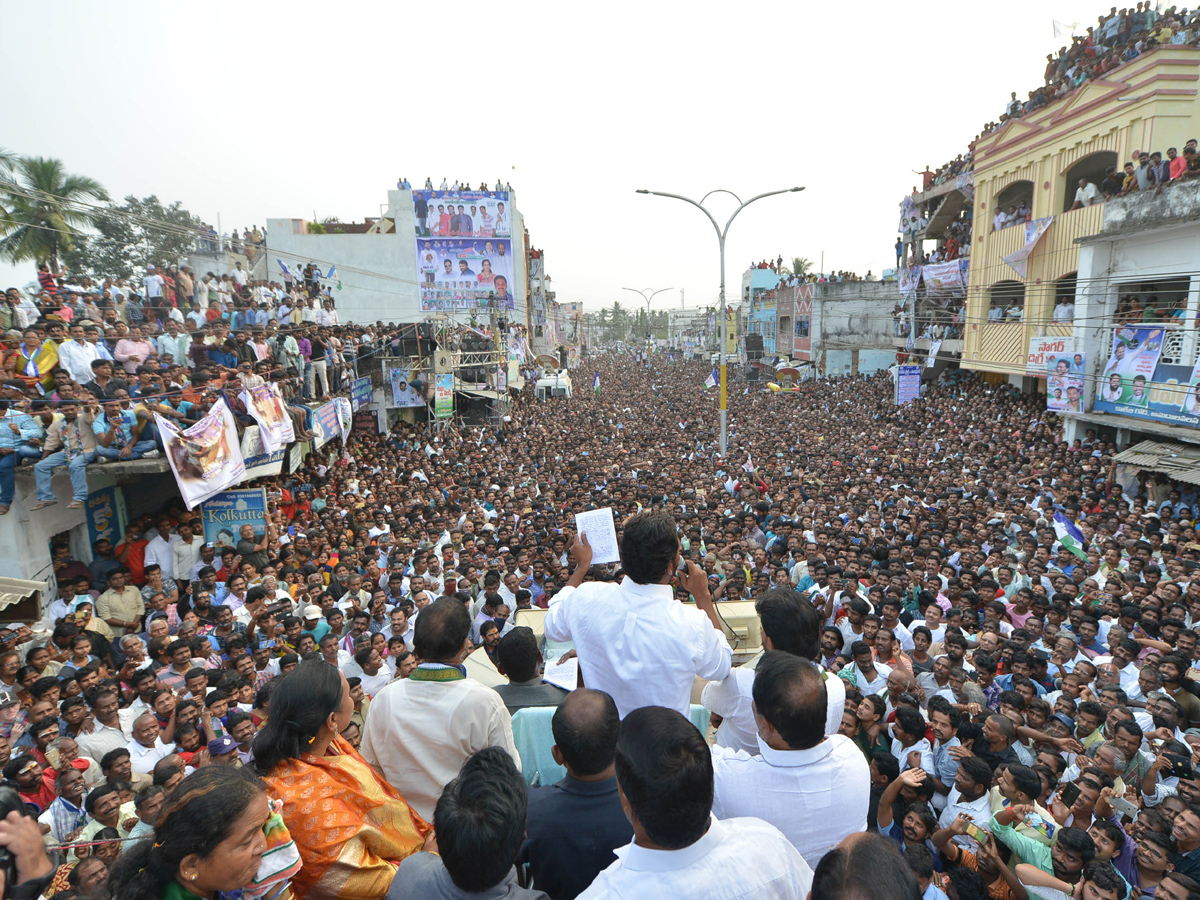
(379, 271)
(853, 316)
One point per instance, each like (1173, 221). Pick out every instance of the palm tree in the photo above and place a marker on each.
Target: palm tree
(801, 265)
(42, 209)
(7, 158)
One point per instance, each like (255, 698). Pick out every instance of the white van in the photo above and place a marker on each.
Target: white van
(558, 385)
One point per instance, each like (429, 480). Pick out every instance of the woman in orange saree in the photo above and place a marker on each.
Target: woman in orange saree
(351, 827)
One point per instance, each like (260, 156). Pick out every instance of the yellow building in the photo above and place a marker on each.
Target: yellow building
(1150, 103)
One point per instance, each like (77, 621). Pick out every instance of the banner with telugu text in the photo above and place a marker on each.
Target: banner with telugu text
(1137, 383)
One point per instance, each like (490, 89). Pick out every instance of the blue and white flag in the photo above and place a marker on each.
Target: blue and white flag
(596, 382)
(711, 381)
(1069, 535)
(284, 267)
(333, 276)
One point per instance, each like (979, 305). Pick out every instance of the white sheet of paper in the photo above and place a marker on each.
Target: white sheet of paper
(601, 531)
(564, 675)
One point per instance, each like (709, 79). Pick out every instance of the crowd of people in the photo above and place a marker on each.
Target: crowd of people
(1117, 38)
(931, 178)
(791, 279)
(249, 243)
(951, 700)
(403, 184)
(1147, 171)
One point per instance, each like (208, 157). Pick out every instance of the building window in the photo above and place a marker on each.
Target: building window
(1007, 302)
(1093, 169)
(1013, 205)
(1064, 300)
(1157, 301)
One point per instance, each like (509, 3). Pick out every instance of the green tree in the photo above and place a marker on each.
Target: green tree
(43, 211)
(126, 242)
(618, 318)
(801, 265)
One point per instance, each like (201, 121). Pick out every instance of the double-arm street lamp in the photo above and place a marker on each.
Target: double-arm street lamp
(721, 233)
(647, 294)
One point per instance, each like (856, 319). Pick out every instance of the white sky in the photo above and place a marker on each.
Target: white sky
(271, 109)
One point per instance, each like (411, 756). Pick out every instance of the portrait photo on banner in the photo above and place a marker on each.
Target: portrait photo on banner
(464, 250)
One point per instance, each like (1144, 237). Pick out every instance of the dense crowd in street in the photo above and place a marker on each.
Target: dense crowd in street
(950, 702)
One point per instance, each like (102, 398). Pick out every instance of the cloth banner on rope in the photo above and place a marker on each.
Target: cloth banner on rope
(1033, 233)
(265, 406)
(206, 458)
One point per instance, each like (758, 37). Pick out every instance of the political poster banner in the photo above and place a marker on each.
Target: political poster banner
(404, 395)
(943, 279)
(1135, 351)
(935, 347)
(910, 216)
(910, 278)
(965, 182)
(466, 274)
(369, 421)
(1033, 233)
(206, 458)
(103, 515)
(1136, 383)
(331, 420)
(908, 384)
(443, 403)
(296, 454)
(225, 513)
(1191, 402)
(1064, 382)
(265, 405)
(360, 393)
(464, 250)
(1045, 351)
(259, 461)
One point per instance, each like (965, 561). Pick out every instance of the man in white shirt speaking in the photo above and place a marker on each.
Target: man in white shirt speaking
(679, 849)
(813, 788)
(634, 641)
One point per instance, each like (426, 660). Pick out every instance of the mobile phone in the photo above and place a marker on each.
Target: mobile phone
(976, 833)
(1043, 655)
(1069, 794)
(53, 757)
(1181, 766)
(1123, 806)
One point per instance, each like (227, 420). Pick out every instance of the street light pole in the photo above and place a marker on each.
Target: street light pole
(721, 234)
(642, 294)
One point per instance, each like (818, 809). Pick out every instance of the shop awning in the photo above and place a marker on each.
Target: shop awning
(20, 600)
(1180, 462)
